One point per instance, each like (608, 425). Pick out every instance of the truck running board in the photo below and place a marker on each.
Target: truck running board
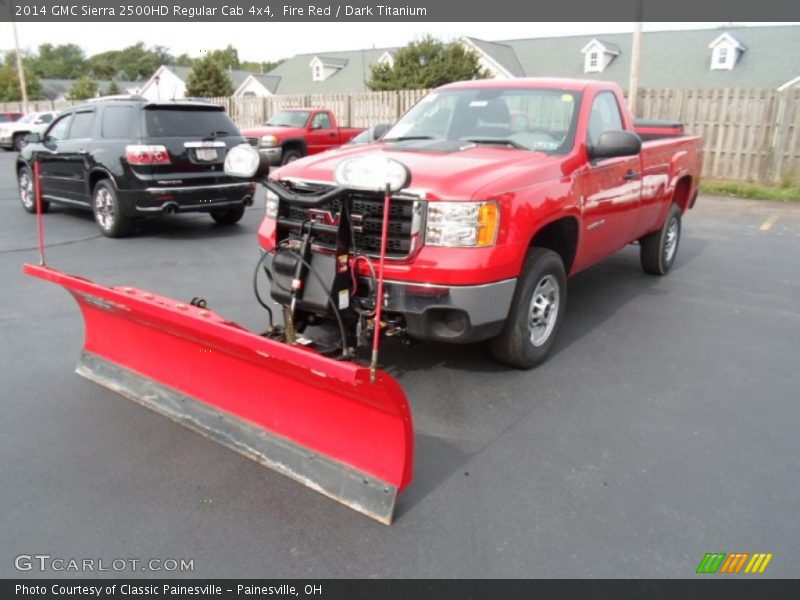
(317, 420)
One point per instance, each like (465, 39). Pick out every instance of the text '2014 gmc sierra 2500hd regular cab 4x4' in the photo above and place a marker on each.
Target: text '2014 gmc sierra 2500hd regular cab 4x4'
(515, 186)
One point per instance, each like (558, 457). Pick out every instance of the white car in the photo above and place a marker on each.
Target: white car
(12, 135)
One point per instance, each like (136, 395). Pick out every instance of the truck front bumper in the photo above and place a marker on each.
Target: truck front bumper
(273, 155)
(456, 314)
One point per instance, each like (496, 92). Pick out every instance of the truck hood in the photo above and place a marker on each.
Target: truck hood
(279, 132)
(465, 173)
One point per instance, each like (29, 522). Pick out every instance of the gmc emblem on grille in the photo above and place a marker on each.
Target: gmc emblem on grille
(326, 217)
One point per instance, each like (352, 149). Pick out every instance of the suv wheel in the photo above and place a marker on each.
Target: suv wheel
(27, 191)
(107, 213)
(536, 311)
(228, 216)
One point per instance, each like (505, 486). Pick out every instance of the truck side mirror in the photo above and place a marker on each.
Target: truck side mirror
(379, 130)
(613, 144)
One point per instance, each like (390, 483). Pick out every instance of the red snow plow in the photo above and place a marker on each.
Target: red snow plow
(307, 408)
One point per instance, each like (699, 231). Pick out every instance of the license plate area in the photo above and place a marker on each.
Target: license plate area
(206, 154)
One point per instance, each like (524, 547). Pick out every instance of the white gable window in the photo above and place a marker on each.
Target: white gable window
(725, 52)
(386, 59)
(598, 55)
(323, 67)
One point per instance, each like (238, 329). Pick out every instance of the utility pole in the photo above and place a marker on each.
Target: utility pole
(636, 49)
(20, 71)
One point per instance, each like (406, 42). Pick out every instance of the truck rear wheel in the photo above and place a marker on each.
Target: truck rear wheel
(658, 249)
(536, 311)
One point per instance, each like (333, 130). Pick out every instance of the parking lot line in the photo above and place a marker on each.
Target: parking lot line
(767, 225)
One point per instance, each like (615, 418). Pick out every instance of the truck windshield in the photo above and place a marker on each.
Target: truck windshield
(289, 118)
(531, 119)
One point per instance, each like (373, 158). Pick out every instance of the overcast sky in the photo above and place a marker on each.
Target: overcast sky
(270, 41)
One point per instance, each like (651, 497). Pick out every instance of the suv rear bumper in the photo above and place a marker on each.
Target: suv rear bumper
(200, 198)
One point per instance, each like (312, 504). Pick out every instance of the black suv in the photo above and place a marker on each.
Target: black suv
(127, 158)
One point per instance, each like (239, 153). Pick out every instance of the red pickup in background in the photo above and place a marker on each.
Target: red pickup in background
(297, 132)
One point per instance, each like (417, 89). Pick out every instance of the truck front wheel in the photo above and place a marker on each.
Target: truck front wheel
(536, 311)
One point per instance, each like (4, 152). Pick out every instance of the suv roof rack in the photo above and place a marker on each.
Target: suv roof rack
(116, 97)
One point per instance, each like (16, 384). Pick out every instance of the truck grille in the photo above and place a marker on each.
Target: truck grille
(366, 219)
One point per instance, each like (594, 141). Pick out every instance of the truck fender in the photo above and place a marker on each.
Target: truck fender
(295, 142)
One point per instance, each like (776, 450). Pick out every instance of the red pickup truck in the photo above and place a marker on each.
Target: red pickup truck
(515, 186)
(297, 132)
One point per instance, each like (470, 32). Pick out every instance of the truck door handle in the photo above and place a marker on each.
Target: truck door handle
(630, 175)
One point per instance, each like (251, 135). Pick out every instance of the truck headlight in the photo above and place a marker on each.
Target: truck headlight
(268, 141)
(462, 224)
(272, 205)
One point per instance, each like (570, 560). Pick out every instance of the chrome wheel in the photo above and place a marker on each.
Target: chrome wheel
(671, 241)
(104, 208)
(26, 194)
(543, 311)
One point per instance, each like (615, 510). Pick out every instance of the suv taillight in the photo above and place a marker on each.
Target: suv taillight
(139, 154)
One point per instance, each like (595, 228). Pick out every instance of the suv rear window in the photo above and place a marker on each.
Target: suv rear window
(187, 122)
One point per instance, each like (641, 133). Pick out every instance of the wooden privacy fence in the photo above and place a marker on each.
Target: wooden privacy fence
(751, 134)
(352, 110)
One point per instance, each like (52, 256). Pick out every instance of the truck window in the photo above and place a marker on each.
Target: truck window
(119, 122)
(321, 121)
(82, 124)
(532, 118)
(289, 118)
(605, 116)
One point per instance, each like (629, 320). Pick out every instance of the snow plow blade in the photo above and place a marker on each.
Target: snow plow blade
(318, 420)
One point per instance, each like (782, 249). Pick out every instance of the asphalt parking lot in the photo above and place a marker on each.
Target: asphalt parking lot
(665, 425)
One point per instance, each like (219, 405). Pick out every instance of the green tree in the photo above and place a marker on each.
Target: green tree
(83, 88)
(226, 59)
(113, 88)
(427, 63)
(66, 61)
(260, 67)
(207, 79)
(131, 63)
(9, 81)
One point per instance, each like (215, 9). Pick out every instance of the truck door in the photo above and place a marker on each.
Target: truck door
(610, 188)
(321, 135)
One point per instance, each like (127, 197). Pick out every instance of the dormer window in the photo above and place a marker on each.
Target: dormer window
(597, 55)
(323, 67)
(725, 51)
